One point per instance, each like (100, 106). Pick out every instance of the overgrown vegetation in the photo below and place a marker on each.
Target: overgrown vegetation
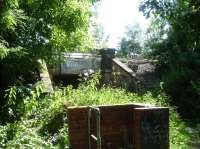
(32, 30)
(43, 120)
(40, 29)
(174, 41)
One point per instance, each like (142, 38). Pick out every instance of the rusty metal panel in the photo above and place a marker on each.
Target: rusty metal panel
(78, 128)
(116, 127)
(121, 126)
(151, 128)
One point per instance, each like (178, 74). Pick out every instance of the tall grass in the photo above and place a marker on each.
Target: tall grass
(44, 120)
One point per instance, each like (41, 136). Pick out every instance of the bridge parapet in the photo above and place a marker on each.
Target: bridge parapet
(122, 75)
(75, 63)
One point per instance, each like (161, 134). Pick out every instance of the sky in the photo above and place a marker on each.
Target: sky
(116, 15)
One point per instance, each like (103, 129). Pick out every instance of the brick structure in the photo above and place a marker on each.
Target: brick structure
(121, 126)
(106, 64)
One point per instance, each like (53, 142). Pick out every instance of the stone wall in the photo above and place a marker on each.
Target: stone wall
(146, 74)
(136, 75)
(123, 76)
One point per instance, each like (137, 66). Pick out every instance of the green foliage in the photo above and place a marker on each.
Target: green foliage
(3, 49)
(179, 140)
(26, 138)
(32, 30)
(18, 101)
(176, 45)
(44, 122)
(3, 136)
(55, 26)
(196, 86)
(18, 135)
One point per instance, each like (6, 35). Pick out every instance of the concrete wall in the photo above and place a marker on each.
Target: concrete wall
(123, 76)
(137, 75)
(75, 63)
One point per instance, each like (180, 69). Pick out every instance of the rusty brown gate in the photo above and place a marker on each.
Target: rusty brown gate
(119, 127)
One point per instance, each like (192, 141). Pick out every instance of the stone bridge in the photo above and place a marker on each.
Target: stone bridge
(134, 74)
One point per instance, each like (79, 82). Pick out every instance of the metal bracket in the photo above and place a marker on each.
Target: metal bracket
(96, 138)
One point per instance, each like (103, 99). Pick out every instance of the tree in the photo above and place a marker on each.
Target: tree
(40, 29)
(179, 52)
(31, 30)
(131, 42)
(156, 33)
